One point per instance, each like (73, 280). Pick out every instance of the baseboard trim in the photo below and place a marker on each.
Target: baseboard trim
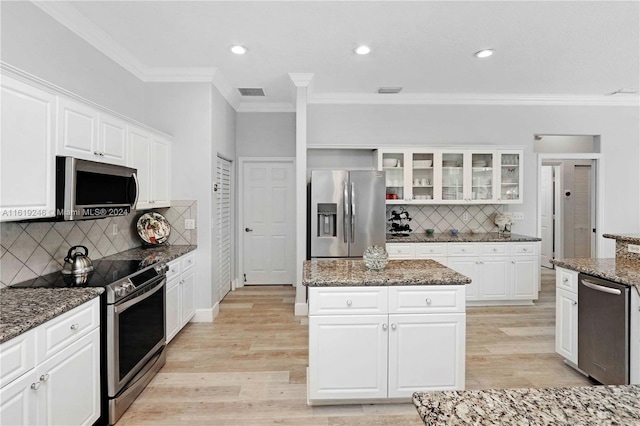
(206, 315)
(301, 310)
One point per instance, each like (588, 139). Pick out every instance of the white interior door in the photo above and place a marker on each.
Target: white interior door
(223, 225)
(546, 217)
(268, 211)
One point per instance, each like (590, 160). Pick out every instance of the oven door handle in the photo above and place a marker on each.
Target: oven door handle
(119, 308)
(601, 288)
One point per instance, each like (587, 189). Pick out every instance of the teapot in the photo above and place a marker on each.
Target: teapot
(77, 263)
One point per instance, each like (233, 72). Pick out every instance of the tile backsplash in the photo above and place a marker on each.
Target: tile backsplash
(29, 249)
(442, 218)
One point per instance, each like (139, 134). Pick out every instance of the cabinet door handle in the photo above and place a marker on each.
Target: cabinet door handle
(565, 280)
(393, 326)
(428, 301)
(96, 153)
(384, 327)
(74, 326)
(463, 250)
(44, 377)
(349, 302)
(495, 249)
(524, 250)
(102, 154)
(513, 261)
(35, 386)
(575, 303)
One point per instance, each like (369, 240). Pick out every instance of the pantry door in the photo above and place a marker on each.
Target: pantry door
(268, 221)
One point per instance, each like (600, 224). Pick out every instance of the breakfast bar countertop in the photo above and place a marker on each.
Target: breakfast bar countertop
(353, 272)
(623, 271)
(584, 405)
(466, 237)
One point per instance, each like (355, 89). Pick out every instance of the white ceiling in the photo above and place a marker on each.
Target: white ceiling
(562, 49)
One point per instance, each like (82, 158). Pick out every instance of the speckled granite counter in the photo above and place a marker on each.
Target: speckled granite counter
(353, 272)
(22, 309)
(627, 238)
(149, 255)
(489, 237)
(601, 405)
(624, 271)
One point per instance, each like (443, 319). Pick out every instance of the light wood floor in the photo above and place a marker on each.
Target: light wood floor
(248, 367)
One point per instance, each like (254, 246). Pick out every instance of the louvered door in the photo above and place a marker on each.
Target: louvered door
(223, 225)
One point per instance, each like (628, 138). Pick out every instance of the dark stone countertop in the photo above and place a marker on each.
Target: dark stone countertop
(22, 309)
(627, 238)
(623, 271)
(586, 405)
(153, 254)
(353, 272)
(488, 237)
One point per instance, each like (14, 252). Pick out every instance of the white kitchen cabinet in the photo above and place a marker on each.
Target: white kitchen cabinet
(27, 154)
(180, 294)
(451, 176)
(377, 343)
(112, 139)
(500, 272)
(567, 314)
(150, 156)
(59, 367)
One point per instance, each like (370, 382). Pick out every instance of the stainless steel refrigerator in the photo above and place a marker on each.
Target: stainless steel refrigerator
(347, 212)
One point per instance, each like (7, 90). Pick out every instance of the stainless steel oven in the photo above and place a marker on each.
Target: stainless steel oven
(135, 336)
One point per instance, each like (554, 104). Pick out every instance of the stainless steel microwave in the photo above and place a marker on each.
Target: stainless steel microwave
(91, 190)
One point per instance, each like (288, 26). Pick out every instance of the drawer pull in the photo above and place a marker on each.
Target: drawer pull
(349, 302)
(44, 377)
(173, 271)
(513, 261)
(393, 326)
(35, 386)
(524, 250)
(428, 301)
(384, 327)
(463, 250)
(74, 326)
(565, 280)
(495, 249)
(575, 303)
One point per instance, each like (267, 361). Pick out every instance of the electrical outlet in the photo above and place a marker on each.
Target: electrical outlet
(114, 229)
(189, 224)
(518, 215)
(465, 216)
(633, 248)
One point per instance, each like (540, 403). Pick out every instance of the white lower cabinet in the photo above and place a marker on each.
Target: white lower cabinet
(415, 341)
(62, 388)
(567, 314)
(180, 294)
(499, 272)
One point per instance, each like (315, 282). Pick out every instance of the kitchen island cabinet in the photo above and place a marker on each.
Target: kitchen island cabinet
(380, 336)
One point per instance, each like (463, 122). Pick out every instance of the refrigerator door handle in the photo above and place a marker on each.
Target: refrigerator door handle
(345, 212)
(353, 212)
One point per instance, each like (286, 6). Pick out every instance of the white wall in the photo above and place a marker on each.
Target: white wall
(34, 42)
(420, 125)
(268, 134)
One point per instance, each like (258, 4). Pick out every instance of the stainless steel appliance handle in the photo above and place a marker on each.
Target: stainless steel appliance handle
(601, 288)
(353, 212)
(135, 178)
(345, 211)
(119, 308)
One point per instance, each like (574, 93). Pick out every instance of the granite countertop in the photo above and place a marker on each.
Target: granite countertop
(488, 237)
(610, 405)
(624, 271)
(353, 272)
(627, 238)
(22, 309)
(153, 254)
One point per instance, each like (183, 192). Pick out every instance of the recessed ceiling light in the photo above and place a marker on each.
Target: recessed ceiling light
(239, 50)
(362, 50)
(483, 53)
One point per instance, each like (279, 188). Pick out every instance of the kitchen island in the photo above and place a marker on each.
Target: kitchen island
(611, 405)
(379, 336)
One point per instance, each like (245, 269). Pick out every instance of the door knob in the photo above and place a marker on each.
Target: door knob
(248, 230)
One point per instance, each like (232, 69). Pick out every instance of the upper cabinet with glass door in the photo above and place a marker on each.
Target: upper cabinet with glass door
(482, 170)
(454, 187)
(510, 175)
(423, 176)
(393, 163)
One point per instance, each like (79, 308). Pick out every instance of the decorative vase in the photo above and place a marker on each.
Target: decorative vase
(375, 258)
(505, 230)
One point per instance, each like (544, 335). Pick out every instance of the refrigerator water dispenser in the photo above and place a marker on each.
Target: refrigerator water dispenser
(327, 214)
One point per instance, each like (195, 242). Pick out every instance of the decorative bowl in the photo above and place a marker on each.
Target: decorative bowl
(389, 162)
(375, 258)
(454, 232)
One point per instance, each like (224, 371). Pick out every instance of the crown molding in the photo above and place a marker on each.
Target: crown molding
(266, 107)
(165, 75)
(473, 99)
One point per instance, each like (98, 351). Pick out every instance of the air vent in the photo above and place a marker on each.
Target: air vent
(251, 91)
(389, 90)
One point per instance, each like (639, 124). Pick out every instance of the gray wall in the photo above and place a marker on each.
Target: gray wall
(424, 125)
(266, 134)
(35, 42)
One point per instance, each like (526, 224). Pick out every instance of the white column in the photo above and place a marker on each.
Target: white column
(302, 82)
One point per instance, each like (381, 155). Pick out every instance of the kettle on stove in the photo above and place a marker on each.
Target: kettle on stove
(76, 263)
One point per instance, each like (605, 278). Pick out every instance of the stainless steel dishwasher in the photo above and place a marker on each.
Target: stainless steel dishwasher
(603, 330)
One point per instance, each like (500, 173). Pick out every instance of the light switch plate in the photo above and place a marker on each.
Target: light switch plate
(518, 215)
(633, 248)
(189, 224)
